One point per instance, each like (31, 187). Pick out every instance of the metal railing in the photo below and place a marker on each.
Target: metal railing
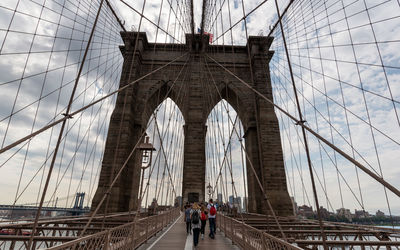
(248, 237)
(127, 236)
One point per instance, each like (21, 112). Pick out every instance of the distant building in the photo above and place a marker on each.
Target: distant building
(237, 202)
(324, 213)
(231, 199)
(379, 213)
(305, 211)
(359, 214)
(178, 201)
(219, 197)
(344, 213)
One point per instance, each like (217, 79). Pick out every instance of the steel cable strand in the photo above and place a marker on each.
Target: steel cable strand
(49, 155)
(336, 130)
(359, 165)
(62, 130)
(4, 149)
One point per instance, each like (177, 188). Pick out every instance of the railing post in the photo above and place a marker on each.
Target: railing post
(230, 228)
(263, 242)
(147, 228)
(108, 238)
(232, 233)
(157, 221)
(243, 236)
(225, 225)
(154, 224)
(134, 234)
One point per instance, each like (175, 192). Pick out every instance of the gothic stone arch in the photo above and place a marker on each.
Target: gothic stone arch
(135, 106)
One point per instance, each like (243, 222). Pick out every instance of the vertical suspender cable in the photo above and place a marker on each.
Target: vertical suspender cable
(62, 129)
(302, 129)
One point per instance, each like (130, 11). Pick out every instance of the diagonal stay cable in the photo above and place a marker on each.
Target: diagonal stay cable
(143, 16)
(108, 192)
(115, 15)
(4, 149)
(240, 20)
(345, 155)
(346, 108)
(67, 115)
(302, 130)
(325, 119)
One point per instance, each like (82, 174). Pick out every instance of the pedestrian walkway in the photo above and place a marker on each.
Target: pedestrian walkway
(175, 237)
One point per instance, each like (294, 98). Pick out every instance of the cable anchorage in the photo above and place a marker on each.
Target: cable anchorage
(300, 122)
(68, 116)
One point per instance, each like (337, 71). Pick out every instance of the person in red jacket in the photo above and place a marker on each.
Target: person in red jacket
(212, 214)
(203, 218)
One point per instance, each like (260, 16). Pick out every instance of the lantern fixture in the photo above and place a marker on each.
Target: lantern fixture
(147, 152)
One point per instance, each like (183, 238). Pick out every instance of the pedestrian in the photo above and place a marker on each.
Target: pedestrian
(196, 224)
(187, 219)
(212, 214)
(203, 218)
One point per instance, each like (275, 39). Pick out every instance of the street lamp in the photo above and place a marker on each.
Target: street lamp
(147, 153)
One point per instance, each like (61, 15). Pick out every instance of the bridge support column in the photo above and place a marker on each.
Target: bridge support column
(123, 133)
(194, 161)
(267, 134)
(194, 171)
(255, 197)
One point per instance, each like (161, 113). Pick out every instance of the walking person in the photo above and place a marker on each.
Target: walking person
(187, 219)
(196, 224)
(203, 218)
(212, 214)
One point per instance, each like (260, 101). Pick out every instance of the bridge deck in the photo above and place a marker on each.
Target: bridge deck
(175, 237)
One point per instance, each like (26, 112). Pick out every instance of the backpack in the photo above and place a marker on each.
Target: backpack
(203, 216)
(213, 211)
(195, 217)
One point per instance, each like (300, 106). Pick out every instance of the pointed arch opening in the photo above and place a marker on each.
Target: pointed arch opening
(162, 180)
(226, 176)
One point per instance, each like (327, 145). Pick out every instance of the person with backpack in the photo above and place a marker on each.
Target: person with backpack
(203, 218)
(196, 224)
(187, 219)
(212, 213)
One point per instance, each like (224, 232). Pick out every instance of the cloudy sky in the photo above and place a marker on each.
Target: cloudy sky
(345, 60)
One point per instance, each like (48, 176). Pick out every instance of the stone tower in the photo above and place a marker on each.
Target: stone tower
(199, 87)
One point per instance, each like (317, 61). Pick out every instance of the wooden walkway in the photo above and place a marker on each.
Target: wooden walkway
(175, 237)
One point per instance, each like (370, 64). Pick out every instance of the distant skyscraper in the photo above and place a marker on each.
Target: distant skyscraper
(238, 201)
(231, 199)
(178, 201)
(236, 4)
(219, 197)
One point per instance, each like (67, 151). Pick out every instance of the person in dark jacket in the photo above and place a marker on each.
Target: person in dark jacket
(187, 219)
(196, 224)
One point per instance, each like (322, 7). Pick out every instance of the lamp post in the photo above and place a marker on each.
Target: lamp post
(147, 153)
